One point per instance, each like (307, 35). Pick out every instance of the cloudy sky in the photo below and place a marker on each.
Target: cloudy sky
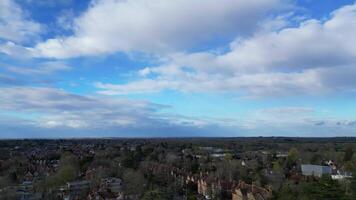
(158, 68)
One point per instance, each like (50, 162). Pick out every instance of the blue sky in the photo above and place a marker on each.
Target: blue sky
(157, 68)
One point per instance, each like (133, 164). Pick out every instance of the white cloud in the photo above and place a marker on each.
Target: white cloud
(56, 108)
(43, 68)
(65, 20)
(39, 109)
(314, 57)
(15, 25)
(313, 44)
(9, 80)
(299, 121)
(157, 25)
(15, 50)
(287, 110)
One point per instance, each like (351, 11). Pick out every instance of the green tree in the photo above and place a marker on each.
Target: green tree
(349, 166)
(325, 188)
(277, 167)
(134, 182)
(4, 181)
(348, 153)
(293, 156)
(286, 193)
(353, 184)
(153, 195)
(67, 172)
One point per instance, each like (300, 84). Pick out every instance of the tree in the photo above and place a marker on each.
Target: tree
(286, 193)
(8, 195)
(293, 156)
(134, 182)
(228, 156)
(353, 184)
(194, 167)
(4, 181)
(349, 166)
(67, 172)
(325, 188)
(277, 167)
(153, 195)
(348, 153)
(316, 159)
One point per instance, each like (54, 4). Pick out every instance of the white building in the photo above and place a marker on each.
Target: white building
(315, 170)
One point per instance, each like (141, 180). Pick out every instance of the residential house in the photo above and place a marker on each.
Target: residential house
(245, 191)
(315, 170)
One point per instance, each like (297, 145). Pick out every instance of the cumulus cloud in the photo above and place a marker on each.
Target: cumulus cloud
(157, 25)
(43, 68)
(300, 121)
(260, 55)
(346, 123)
(316, 56)
(312, 44)
(15, 50)
(62, 108)
(288, 110)
(281, 117)
(15, 25)
(41, 109)
(9, 80)
(57, 109)
(310, 82)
